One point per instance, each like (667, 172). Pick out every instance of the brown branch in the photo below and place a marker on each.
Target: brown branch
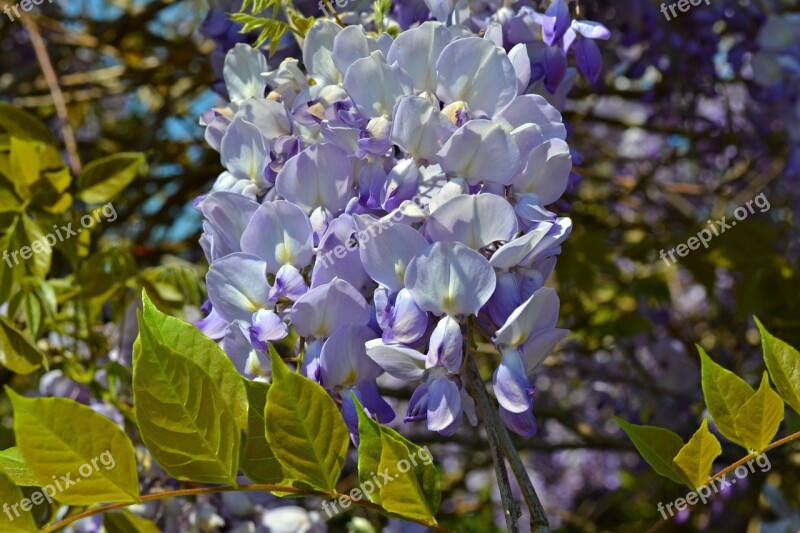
(51, 78)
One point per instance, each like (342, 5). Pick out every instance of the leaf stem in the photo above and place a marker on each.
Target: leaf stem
(733, 467)
(230, 488)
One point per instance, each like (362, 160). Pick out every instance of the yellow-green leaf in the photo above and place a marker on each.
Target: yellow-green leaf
(370, 448)
(304, 429)
(697, 457)
(40, 252)
(414, 489)
(25, 163)
(408, 482)
(15, 519)
(725, 394)
(60, 437)
(13, 465)
(191, 404)
(20, 123)
(783, 363)
(104, 179)
(658, 446)
(258, 462)
(17, 353)
(760, 417)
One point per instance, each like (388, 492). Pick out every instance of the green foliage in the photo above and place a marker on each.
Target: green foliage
(725, 394)
(259, 462)
(268, 25)
(58, 437)
(760, 417)
(746, 417)
(783, 363)
(697, 457)
(103, 180)
(13, 465)
(380, 9)
(191, 402)
(304, 430)
(658, 446)
(10, 494)
(17, 353)
(412, 493)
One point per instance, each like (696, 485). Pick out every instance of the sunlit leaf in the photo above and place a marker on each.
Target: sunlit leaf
(258, 462)
(59, 437)
(760, 417)
(16, 519)
(104, 179)
(697, 457)
(403, 475)
(191, 403)
(13, 465)
(783, 363)
(725, 394)
(304, 429)
(17, 353)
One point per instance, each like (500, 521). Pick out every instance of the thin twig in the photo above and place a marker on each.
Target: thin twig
(539, 522)
(485, 409)
(40, 49)
(731, 468)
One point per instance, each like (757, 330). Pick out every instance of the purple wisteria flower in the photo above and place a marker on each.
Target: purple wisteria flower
(373, 204)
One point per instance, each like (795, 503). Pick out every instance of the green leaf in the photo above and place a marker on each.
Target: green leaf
(11, 521)
(25, 164)
(191, 403)
(258, 462)
(304, 429)
(370, 448)
(407, 480)
(658, 446)
(104, 179)
(725, 394)
(39, 252)
(13, 465)
(300, 23)
(22, 124)
(760, 417)
(380, 9)
(127, 522)
(17, 353)
(415, 492)
(783, 363)
(697, 457)
(58, 438)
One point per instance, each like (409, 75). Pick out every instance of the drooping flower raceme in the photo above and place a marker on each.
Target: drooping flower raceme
(374, 203)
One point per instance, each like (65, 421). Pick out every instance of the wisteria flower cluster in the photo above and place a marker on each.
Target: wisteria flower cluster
(379, 200)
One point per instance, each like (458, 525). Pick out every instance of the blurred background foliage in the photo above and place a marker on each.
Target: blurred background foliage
(664, 149)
